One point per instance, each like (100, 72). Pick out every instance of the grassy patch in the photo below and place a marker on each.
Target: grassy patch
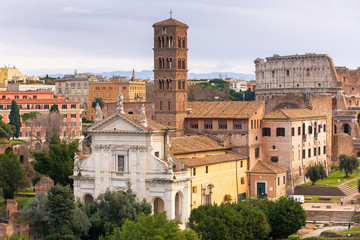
(351, 230)
(335, 179)
(315, 199)
(23, 202)
(18, 141)
(353, 184)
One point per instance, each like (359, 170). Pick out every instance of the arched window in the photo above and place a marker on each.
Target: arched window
(158, 205)
(88, 199)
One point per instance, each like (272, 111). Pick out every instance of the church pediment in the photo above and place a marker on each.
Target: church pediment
(116, 122)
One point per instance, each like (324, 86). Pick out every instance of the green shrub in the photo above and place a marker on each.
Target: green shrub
(294, 237)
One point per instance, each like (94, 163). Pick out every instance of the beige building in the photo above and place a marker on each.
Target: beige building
(215, 170)
(295, 139)
(13, 75)
(237, 84)
(75, 88)
(267, 179)
(236, 124)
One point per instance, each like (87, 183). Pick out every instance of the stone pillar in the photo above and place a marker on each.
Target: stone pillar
(11, 208)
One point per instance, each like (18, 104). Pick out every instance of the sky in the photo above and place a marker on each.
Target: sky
(57, 36)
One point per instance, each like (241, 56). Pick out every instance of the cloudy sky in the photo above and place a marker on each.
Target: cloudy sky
(58, 36)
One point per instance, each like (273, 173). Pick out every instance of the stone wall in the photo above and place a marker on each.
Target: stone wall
(343, 144)
(44, 185)
(350, 79)
(309, 73)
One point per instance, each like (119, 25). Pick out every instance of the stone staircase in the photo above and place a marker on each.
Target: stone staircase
(347, 190)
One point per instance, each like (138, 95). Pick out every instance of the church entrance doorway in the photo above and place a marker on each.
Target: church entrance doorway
(158, 205)
(261, 189)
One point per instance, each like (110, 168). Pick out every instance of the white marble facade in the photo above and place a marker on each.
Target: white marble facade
(125, 150)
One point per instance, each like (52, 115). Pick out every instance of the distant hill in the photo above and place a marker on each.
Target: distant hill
(144, 74)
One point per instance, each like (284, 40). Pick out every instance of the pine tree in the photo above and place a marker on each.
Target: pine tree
(15, 118)
(54, 108)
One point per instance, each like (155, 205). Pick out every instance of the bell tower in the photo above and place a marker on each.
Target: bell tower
(170, 73)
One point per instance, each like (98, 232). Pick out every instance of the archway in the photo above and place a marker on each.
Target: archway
(9, 150)
(178, 206)
(21, 159)
(347, 128)
(158, 205)
(335, 129)
(88, 199)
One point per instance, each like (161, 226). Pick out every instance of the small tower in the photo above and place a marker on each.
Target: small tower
(133, 75)
(170, 73)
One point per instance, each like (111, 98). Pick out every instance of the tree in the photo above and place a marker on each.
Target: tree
(315, 173)
(98, 100)
(156, 226)
(37, 212)
(58, 164)
(249, 95)
(111, 209)
(6, 130)
(219, 83)
(61, 212)
(348, 164)
(241, 220)
(285, 217)
(54, 109)
(12, 175)
(51, 124)
(30, 117)
(80, 223)
(14, 118)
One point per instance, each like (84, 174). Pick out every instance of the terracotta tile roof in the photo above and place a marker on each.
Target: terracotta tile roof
(150, 123)
(212, 159)
(25, 92)
(38, 101)
(299, 113)
(180, 145)
(228, 109)
(264, 166)
(170, 22)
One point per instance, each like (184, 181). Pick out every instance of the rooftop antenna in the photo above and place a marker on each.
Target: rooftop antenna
(171, 12)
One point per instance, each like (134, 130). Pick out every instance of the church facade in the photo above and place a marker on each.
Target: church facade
(130, 148)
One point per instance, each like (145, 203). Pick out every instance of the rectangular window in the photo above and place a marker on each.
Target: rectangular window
(37, 106)
(242, 180)
(237, 124)
(314, 151)
(24, 97)
(324, 127)
(241, 164)
(46, 106)
(73, 106)
(278, 180)
(303, 153)
(97, 88)
(292, 131)
(208, 124)
(103, 88)
(194, 124)
(266, 132)
(309, 152)
(37, 133)
(324, 150)
(194, 190)
(160, 105)
(194, 171)
(169, 105)
(35, 97)
(73, 124)
(64, 115)
(64, 106)
(73, 115)
(222, 124)
(110, 88)
(310, 130)
(16, 96)
(121, 163)
(299, 131)
(207, 169)
(283, 179)
(280, 132)
(319, 151)
(257, 152)
(252, 124)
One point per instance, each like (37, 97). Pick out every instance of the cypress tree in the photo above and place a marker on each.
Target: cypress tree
(15, 118)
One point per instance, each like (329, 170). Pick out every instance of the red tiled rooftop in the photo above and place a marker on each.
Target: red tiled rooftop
(25, 92)
(35, 101)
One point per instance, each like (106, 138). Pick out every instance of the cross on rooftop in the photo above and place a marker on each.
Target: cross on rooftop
(171, 12)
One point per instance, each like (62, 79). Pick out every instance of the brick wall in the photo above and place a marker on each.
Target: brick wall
(343, 144)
